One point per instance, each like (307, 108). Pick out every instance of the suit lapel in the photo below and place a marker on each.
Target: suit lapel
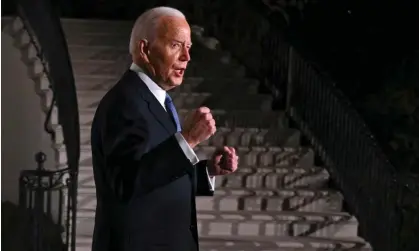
(153, 104)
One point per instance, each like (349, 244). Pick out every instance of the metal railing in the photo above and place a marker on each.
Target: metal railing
(41, 21)
(382, 198)
(45, 194)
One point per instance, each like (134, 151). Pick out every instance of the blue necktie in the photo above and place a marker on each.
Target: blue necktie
(170, 108)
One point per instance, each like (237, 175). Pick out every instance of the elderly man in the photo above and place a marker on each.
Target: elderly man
(146, 172)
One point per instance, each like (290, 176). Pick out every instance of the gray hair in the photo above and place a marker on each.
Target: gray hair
(145, 25)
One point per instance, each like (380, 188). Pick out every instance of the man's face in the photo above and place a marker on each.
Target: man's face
(167, 56)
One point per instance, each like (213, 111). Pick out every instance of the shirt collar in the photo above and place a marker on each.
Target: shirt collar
(156, 90)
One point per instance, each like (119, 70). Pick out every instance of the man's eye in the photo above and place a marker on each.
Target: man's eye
(175, 45)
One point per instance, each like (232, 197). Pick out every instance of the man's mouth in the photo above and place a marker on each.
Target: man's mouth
(180, 71)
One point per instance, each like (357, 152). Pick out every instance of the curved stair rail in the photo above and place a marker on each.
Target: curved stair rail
(42, 23)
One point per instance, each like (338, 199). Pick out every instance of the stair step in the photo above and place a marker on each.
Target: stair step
(237, 137)
(253, 224)
(118, 39)
(252, 200)
(85, 66)
(254, 137)
(192, 84)
(259, 200)
(276, 223)
(262, 156)
(249, 156)
(280, 243)
(223, 118)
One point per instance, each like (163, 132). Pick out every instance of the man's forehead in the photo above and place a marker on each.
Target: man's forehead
(174, 28)
(173, 24)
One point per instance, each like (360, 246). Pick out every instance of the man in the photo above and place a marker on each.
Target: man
(146, 172)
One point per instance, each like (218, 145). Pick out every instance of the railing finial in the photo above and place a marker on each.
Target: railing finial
(40, 158)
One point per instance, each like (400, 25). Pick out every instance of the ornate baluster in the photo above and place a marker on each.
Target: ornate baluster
(40, 158)
(41, 185)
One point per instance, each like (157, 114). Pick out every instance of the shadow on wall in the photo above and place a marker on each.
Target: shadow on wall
(22, 121)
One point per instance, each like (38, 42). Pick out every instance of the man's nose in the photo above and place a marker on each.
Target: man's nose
(185, 55)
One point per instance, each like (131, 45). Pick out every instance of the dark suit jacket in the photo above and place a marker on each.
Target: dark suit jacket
(145, 184)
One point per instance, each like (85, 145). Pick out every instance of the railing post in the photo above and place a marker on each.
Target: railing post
(40, 159)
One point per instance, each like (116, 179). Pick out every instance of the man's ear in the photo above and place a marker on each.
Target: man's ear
(143, 48)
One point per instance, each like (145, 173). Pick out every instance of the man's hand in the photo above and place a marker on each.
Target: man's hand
(224, 161)
(198, 126)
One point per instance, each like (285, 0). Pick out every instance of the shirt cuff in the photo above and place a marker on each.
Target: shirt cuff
(189, 152)
(211, 181)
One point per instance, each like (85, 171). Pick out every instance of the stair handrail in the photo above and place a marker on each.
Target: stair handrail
(383, 198)
(373, 188)
(40, 56)
(42, 23)
(52, 49)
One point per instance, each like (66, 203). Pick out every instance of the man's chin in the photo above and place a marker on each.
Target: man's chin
(176, 82)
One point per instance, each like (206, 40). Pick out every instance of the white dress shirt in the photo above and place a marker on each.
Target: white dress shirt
(160, 95)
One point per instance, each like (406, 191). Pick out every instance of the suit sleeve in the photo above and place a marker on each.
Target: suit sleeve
(187, 150)
(204, 184)
(131, 164)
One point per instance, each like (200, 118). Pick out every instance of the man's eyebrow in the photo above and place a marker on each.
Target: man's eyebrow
(178, 41)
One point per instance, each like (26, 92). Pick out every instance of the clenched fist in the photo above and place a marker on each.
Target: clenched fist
(224, 161)
(198, 126)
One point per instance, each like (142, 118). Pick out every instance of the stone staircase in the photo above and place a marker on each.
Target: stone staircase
(277, 200)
